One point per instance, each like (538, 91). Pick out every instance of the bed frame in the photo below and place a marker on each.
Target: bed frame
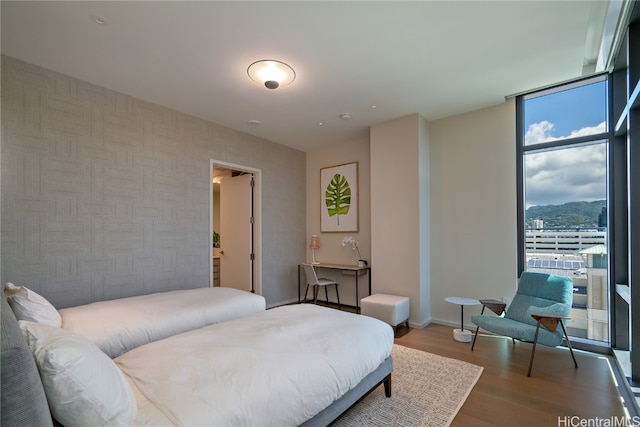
(382, 375)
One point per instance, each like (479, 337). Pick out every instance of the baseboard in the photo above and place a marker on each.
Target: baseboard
(419, 325)
(455, 325)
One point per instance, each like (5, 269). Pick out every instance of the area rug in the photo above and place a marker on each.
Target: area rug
(426, 390)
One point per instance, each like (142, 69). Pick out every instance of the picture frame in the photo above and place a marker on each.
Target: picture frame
(339, 197)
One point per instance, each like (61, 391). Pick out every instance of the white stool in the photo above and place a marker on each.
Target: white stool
(390, 309)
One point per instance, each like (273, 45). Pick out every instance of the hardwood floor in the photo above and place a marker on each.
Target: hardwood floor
(505, 396)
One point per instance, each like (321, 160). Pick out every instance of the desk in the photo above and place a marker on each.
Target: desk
(344, 268)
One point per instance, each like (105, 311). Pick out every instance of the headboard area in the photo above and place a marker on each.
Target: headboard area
(24, 402)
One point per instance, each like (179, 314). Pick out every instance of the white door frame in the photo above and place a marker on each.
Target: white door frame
(257, 219)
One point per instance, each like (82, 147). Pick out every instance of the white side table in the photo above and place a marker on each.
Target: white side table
(461, 334)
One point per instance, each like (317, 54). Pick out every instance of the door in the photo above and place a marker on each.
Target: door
(236, 231)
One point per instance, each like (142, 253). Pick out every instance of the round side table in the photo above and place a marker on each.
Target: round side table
(461, 334)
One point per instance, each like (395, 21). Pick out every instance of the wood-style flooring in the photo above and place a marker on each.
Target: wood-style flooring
(556, 394)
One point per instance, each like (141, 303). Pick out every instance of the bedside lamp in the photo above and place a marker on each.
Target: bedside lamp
(314, 245)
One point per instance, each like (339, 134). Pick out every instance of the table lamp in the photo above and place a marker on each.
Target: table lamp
(314, 245)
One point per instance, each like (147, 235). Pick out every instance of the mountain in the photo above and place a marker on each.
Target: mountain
(568, 215)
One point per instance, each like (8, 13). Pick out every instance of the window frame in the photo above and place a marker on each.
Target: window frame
(601, 347)
(522, 150)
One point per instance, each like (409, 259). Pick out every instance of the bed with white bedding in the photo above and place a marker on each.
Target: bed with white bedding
(280, 367)
(287, 366)
(118, 326)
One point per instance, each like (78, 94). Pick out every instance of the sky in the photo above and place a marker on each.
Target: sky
(572, 174)
(569, 110)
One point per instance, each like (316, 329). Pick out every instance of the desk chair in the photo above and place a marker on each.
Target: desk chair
(313, 280)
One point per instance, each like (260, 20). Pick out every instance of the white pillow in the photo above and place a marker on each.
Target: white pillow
(84, 387)
(28, 305)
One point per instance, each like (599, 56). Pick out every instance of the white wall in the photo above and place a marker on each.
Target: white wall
(443, 209)
(399, 214)
(331, 250)
(473, 209)
(424, 203)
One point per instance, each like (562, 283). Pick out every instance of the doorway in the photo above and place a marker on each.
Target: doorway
(235, 226)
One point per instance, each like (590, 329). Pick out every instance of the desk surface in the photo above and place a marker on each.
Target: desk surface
(341, 267)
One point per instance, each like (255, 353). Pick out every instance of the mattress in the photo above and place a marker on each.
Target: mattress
(120, 325)
(279, 367)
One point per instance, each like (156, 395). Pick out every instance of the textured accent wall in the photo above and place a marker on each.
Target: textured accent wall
(106, 196)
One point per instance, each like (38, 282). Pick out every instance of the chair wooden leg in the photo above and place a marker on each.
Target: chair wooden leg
(474, 337)
(305, 292)
(533, 349)
(326, 295)
(338, 296)
(566, 337)
(316, 288)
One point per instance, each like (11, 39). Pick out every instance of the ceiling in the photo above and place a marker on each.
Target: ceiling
(435, 58)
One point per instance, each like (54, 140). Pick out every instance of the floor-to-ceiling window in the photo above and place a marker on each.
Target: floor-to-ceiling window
(578, 162)
(563, 171)
(625, 189)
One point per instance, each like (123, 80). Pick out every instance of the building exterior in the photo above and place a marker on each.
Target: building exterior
(582, 256)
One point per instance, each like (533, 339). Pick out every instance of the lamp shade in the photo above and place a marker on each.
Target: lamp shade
(315, 244)
(271, 73)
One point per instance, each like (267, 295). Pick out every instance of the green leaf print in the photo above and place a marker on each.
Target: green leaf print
(338, 196)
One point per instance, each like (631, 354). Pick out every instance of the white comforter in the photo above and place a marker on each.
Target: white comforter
(120, 325)
(279, 367)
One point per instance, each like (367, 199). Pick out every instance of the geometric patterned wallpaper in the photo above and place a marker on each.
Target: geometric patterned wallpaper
(106, 196)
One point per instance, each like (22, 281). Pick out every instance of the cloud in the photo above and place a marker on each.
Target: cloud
(541, 132)
(565, 175)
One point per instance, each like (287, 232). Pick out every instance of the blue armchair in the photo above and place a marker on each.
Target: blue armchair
(541, 302)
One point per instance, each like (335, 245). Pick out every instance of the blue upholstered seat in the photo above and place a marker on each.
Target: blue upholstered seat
(538, 294)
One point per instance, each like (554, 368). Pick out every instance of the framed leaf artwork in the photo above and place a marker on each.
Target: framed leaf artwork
(339, 198)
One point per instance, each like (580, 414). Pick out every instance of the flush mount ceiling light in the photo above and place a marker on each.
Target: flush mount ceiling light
(271, 73)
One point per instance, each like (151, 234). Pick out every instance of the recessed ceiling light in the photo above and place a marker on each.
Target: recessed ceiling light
(320, 123)
(98, 19)
(374, 106)
(254, 122)
(345, 116)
